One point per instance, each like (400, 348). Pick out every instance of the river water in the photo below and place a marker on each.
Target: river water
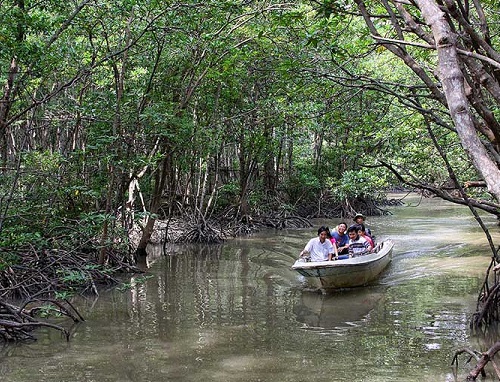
(237, 312)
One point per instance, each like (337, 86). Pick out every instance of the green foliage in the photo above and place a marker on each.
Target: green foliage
(64, 295)
(235, 91)
(328, 8)
(99, 267)
(228, 195)
(72, 277)
(40, 201)
(48, 310)
(302, 184)
(7, 259)
(19, 236)
(359, 184)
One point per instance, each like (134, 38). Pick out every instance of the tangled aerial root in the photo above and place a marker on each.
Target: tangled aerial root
(44, 279)
(17, 323)
(485, 321)
(482, 359)
(34, 273)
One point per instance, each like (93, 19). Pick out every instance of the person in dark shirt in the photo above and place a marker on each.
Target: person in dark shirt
(360, 219)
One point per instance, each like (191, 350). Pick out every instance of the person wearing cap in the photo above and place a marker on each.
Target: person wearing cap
(319, 248)
(360, 219)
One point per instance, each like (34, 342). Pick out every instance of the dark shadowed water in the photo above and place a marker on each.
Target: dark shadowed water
(237, 312)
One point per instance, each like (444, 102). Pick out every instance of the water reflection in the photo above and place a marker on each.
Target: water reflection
(336, 311)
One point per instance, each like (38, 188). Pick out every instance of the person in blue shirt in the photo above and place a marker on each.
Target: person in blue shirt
(341, 238)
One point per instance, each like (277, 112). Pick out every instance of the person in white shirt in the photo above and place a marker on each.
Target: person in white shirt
(319, 248)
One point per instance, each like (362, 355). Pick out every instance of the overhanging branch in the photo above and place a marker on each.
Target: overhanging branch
(427, 46)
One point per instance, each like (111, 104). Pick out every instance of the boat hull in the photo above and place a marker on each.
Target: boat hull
(348, 273)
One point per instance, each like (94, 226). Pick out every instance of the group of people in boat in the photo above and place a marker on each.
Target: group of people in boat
(342, 243)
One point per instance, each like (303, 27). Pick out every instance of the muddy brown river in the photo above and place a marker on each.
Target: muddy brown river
(237, 312)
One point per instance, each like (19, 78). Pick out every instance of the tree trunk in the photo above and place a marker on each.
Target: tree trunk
(160, 180)
(5, 105)
(269, 161)
(452, 79)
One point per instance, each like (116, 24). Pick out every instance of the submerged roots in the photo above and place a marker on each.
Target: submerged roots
(486, 321)
(17, 323)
